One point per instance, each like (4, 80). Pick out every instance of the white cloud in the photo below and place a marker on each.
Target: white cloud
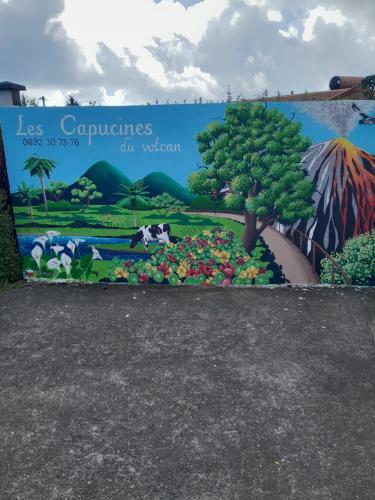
(204, 83)
(291, 32)
(134, 51)
(236, 16)
(329, 16)
(116, 99)
(135, 24)
(256, 3)
(274, 15)
(260, 81)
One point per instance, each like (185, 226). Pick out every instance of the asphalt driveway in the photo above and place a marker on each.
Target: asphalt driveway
(159, 393)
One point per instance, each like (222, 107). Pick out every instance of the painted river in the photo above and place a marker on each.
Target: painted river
(26, 244)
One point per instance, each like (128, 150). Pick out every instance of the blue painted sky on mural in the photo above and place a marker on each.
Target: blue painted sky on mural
(174, 124)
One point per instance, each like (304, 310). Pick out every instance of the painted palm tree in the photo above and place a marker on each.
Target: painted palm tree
(132, 196)
(27, 194)
(40, 167)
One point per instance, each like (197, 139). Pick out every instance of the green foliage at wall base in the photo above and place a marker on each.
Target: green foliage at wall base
(357, 259)
(10, 264)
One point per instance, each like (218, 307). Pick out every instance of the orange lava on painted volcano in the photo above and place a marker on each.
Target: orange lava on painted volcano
(357, 177)
(344, 200)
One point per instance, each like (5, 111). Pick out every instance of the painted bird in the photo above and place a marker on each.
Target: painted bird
(366, 119)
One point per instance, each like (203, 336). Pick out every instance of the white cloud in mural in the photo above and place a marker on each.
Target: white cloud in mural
(336, 115)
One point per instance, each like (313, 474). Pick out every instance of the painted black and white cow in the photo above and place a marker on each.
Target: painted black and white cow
(155, 232)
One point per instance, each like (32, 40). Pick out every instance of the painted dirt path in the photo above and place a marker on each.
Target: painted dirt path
(296, 267)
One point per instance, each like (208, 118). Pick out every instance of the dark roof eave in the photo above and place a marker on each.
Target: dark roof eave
(11, 86)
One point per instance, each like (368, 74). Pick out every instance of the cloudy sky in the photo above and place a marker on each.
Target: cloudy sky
(137, 51)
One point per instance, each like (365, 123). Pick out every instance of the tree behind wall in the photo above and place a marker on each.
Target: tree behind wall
(10, 262)
(72, 101)
(368, 85)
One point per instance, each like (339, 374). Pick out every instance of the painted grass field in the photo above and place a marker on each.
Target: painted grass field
(93, 245)
(111, 221)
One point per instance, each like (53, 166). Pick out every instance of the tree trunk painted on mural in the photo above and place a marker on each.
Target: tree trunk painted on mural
(44, 194)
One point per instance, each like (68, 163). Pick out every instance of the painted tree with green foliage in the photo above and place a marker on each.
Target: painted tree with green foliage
(167, 204)
(85, 194)
(56, 189)
(40, 167)
(27, 194)
(255, 153)
(133, 195)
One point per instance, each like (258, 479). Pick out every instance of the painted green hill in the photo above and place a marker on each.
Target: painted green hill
(159, 183)
(107, 179)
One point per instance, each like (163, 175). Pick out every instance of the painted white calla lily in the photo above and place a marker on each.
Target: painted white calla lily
(71, 246)
(54, 264)
(77, 241)
(41, 240)
(66, 261)
(36, 254)
(57, 249)
(51, 234)
(95, 254)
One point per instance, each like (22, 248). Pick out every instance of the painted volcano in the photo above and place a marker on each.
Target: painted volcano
(344, 200)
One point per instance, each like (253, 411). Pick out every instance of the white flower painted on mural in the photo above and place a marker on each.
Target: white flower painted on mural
(95, 254)
(66, 261)
(51, 235)
(28, 273)
(54, 264)
(41, 240)
(77, 241)
(57, 249)
(36, 254)
(71, 246)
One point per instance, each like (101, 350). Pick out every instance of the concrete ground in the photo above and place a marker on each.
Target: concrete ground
(159, 393)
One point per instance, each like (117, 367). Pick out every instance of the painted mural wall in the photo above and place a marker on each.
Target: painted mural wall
(239, 194)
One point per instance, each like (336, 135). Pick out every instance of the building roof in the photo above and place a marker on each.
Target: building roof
(354, 91)
(11, 86)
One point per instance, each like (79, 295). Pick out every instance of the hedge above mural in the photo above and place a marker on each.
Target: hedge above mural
(239, 194)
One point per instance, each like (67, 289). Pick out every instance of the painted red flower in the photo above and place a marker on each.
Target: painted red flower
(143, 278)
(164, 268)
